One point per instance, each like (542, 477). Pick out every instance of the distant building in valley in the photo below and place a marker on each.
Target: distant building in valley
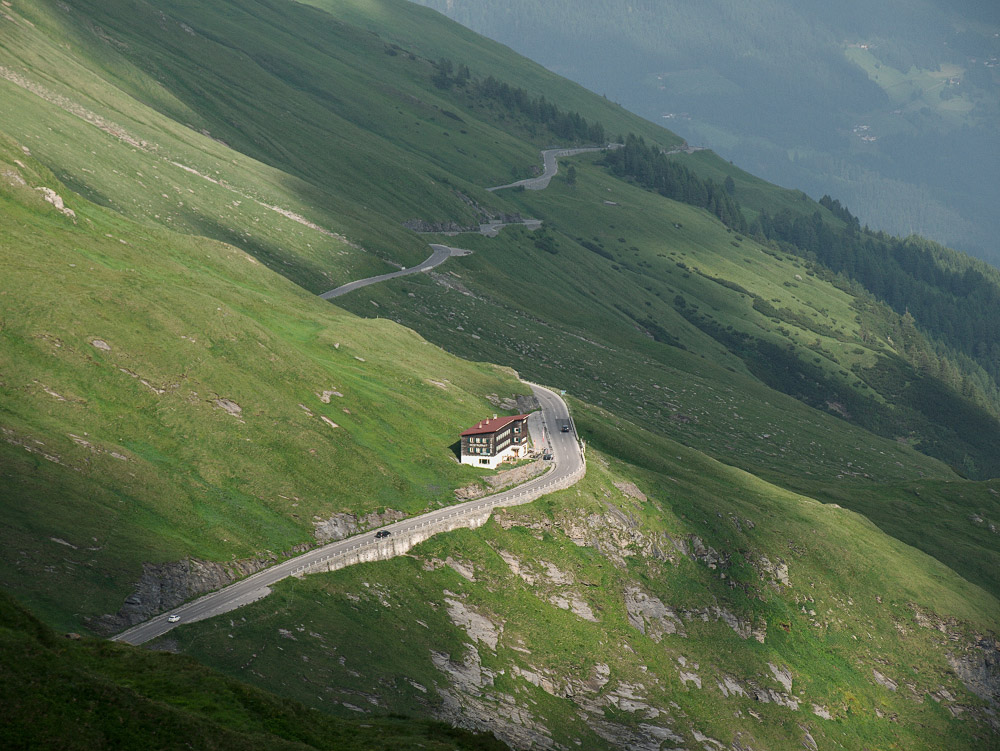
(495, 440)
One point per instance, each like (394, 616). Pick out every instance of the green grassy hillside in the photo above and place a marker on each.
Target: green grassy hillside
(177, 182)
(88, 694)
(167, 396)
(665, 597)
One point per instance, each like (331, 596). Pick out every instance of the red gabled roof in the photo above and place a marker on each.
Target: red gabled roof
(493, 424)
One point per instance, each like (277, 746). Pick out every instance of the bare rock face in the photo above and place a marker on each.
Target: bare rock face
(501, 480)
(731, 687)
(776, 572)
(631, 490)
(884, 681)
(342, 525)
(470, 703)
(229, 406)
(166, 585)
(503, 403)
(517, 475)
(645, 737)
(782, 676)
(422, 225)
(13, 178)
(616, 534)
(707, 554)
(769, 695)
(56, 200)
(466, 675)
(477, 626)
(575, 604)
(979, 670)
(527, 403)
(648, 615)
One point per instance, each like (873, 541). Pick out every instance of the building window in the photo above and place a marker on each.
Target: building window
(484, 461)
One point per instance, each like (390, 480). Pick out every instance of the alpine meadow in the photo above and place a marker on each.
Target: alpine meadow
(769, 519)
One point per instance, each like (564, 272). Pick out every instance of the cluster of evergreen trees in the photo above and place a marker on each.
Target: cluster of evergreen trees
(945, 308)
(569, 126)
(648, 166)
(955, 302)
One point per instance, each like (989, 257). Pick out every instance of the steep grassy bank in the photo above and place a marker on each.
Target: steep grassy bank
(91, 695)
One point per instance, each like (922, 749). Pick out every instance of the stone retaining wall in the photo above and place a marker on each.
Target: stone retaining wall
(401, 542)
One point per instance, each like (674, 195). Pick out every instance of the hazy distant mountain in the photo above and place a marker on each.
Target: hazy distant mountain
(890, 106)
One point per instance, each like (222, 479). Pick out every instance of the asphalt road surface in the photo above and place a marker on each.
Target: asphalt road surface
(441, 254)
(546, 435)
(550, 167)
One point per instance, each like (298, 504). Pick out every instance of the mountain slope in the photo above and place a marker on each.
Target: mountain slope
(172, 385)
(659, 602)
(890, 106)
(168, 396)
(95, 695)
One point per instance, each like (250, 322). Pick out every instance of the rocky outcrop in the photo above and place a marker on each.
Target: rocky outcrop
(593, 696)
(506, 403)
(527, 403)
(575, 604)
(884, 681)
(342, 525)
(648, 615)
(484, 216)
(467, 702)
(782, 676)
(56, 200)
(616, 534)
(707, 554)
(166, 585)
(775, 572)
(645, 737)
(501, 480)
(229, 406)
(421, 225)
(979, 670)
(476, 625)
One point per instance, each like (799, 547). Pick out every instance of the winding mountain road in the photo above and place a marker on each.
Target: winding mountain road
(441, 254)
(567, 467)
(550, 167)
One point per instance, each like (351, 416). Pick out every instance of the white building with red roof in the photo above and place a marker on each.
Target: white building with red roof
(495, 440)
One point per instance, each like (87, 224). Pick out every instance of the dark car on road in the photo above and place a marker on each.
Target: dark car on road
(382, 533)
(564, 429)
